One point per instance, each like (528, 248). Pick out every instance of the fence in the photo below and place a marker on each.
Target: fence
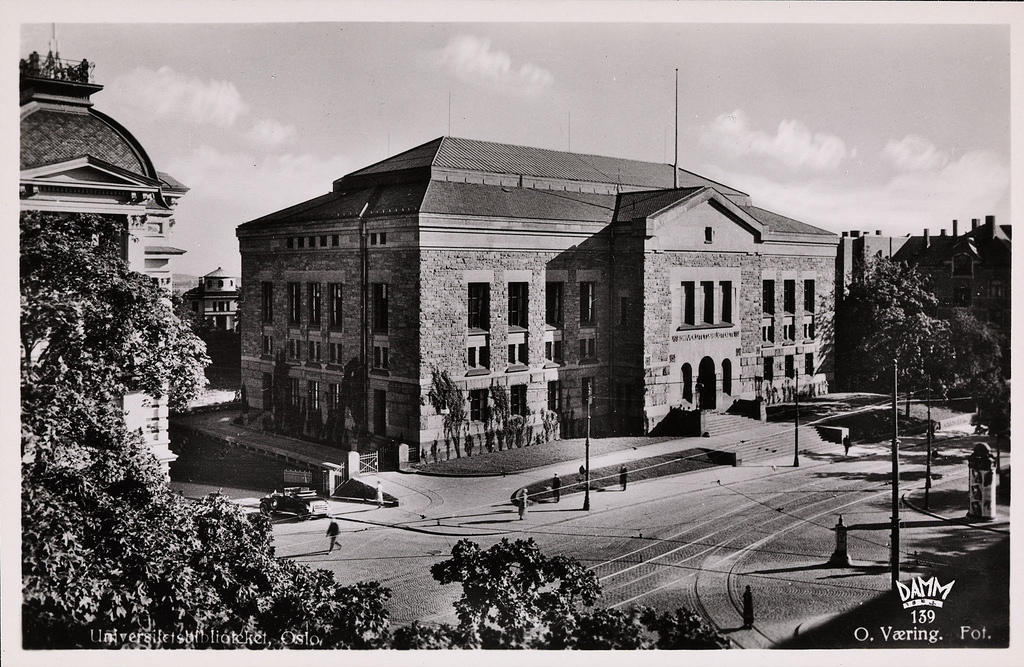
(303, 477)
(368, 464)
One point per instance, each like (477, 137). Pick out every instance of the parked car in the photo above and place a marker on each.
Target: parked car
(298, 500)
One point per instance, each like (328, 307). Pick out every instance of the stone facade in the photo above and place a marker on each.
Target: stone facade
(581, 279)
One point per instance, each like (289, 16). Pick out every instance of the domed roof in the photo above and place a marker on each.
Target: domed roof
(50, 136)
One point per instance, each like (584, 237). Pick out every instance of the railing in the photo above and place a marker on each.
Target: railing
(298, 477)
(59, 69)
(368, 464)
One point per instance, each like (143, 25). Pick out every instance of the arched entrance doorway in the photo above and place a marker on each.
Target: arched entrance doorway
(706, 384)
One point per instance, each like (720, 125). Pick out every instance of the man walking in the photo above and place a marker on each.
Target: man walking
(332, 532)
(623, 474)
(748, 608)
(380, 496)
(556, 488)
(524, 498)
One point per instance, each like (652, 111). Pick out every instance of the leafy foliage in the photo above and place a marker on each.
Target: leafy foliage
(106, 547)
(447, 400)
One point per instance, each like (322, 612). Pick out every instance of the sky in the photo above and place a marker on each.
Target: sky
(894, 127)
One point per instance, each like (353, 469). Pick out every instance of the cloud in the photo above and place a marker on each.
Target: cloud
(269, 133)
(472, 60)
(166, 94)
(973, 186)
(793, 144)
(914, 153)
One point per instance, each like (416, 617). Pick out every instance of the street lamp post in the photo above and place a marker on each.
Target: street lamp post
(796, 430)
(928, 462)
(895, 540)
(586, 491)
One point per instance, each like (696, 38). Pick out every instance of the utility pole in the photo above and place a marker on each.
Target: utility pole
(895, 540)
(586, 491)
(928, 463)
(796, 431)
(675, 163)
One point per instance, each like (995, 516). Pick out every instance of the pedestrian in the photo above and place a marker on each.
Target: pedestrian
(524, 498)
(332, 532)
(623, 475)
(556, 488)
(380, 496)
(748, 608)
(846, 445)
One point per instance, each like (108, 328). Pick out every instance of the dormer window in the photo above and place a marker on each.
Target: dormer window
(962, 265)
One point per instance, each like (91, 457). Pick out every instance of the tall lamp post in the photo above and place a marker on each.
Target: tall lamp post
(586, 490)
(928, 462)
(895, 540)
(796, 430)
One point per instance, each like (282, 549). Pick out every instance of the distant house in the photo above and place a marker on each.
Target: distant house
(75, 159)
(215, 299)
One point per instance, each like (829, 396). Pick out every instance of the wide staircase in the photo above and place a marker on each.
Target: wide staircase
(762, 443)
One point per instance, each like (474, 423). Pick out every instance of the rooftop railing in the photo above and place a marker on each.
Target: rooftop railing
(56, 68)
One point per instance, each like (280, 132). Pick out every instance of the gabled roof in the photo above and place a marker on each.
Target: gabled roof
(780, 224)
(983, 244)
(636, 205)
(476, 199)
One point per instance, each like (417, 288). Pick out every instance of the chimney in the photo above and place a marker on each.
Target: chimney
(974, 224)
(846, 234)
(954, 228)
(878, 232)
(942, 232)
(855, 233)
(990, 220)
(927, 238)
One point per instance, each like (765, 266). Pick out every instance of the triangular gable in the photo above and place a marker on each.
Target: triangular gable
(88, 171)
(705, 205)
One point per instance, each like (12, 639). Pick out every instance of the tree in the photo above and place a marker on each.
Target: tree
(106, 546)
(887, 315)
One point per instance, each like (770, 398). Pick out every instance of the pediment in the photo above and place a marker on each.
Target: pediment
(706, 221)
(87, 172)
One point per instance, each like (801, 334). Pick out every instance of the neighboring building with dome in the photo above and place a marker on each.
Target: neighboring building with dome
(215, 300)
(75, 159)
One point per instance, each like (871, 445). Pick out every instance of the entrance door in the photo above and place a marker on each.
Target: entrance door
(706, 384)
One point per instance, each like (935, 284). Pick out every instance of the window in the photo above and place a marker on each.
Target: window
(553, 350)
(689, 306)
(314, 395)
(708, 292)
(687, 382)
(315, 296)
(290, 242)
(726, 287)
(333, 397)
(380, 357)
(587, 391)
(588, 348)
(963, 295)
(709, 234)
(268, 345)
(335, 240)
(996, 289)
(808, 328)
(789, 330)
(293, 349)
(769, 369)
(809, 296)
(312, 241)
(335, 291)
(809, 363)
(768, 297)
(555, 396)
(789, 296)
(478, 405)
(554, 295)
(517, 398)
(378, 238)
(479, 306)
(587, 302)
(380, 412)
(962, 265)
(294, 303)
(726, 377)
(268, 301)
(268, 391)
(334, 353)
(313, 350)
(518, 354)
(195, 307)
(790, 366)
(380, 307)
(323, 241)
(220, 283)
(478, 353)
(518, 305)
(293, 392)
(302, 241)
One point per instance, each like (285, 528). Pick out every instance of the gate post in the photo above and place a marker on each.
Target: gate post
(352, 465)
(840, 557)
